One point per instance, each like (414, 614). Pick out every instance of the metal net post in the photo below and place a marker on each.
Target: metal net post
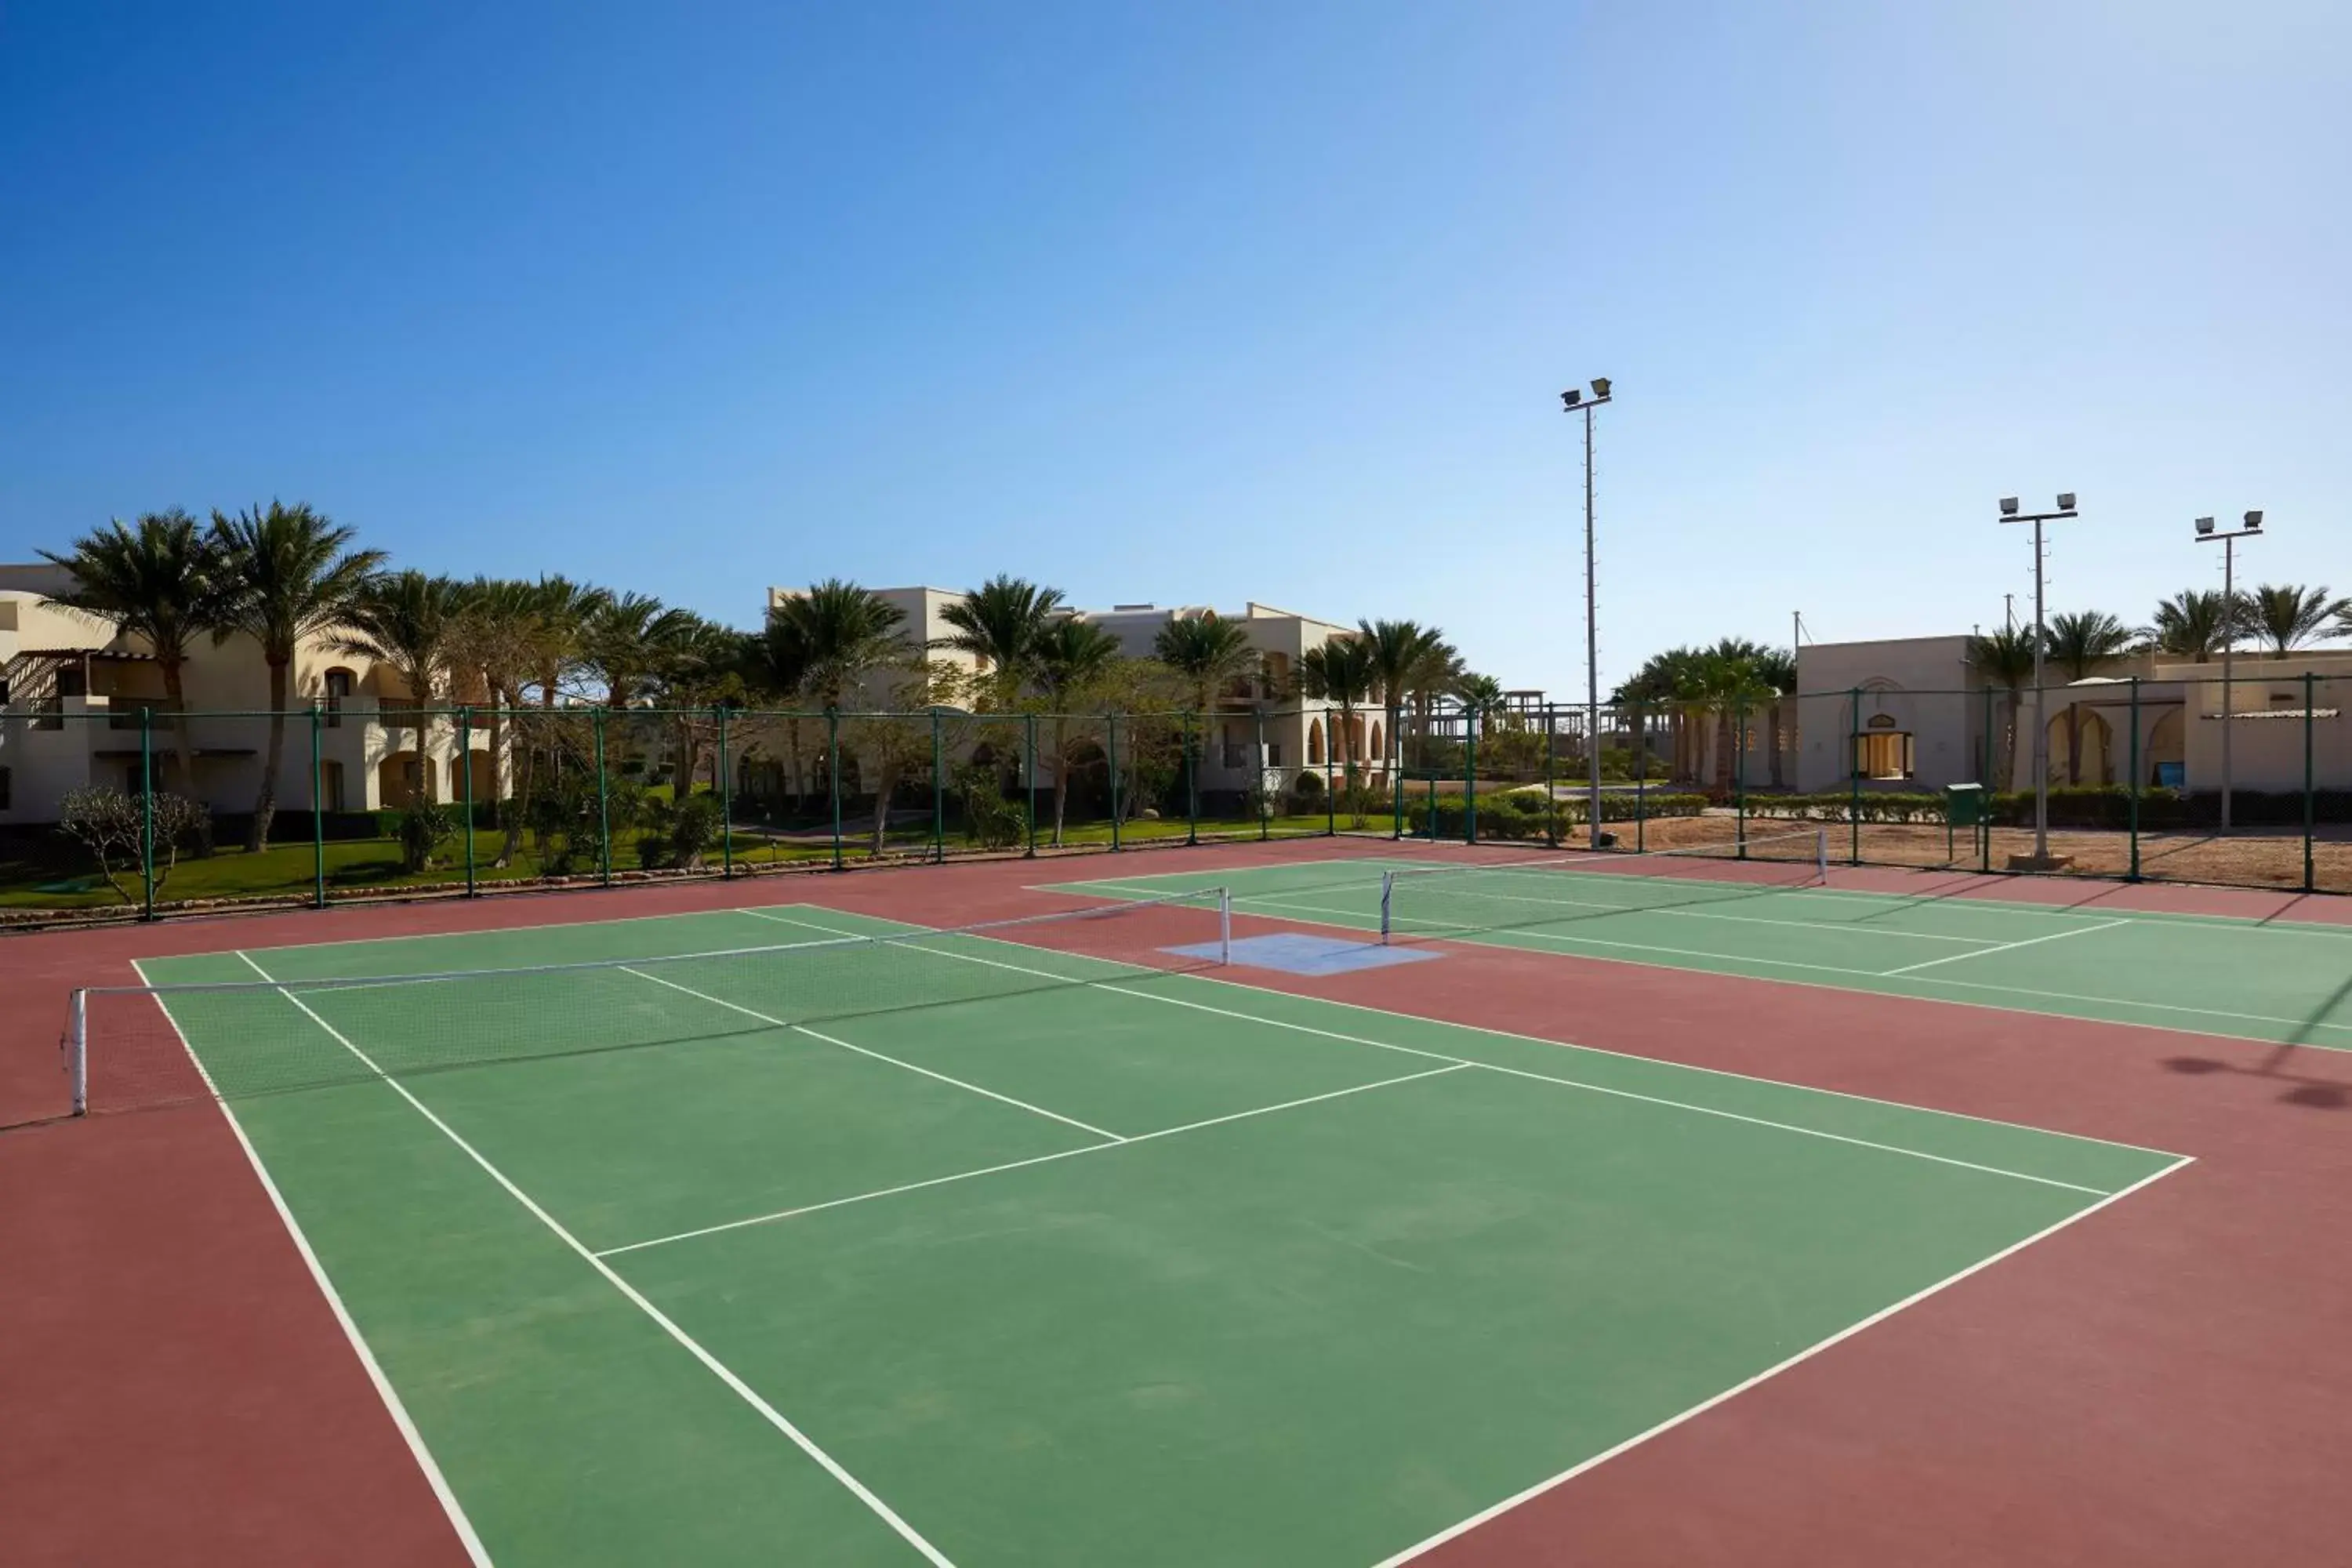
(1739, 774)
(724, 784)
(833, 776)
(147, 813)
(1225, 925)
(1258, 800)
(1821, 854)
(2131, 795)
(317, 813)
(939, 793)
(1551, 802)
(1853, 776)
(465, 780)
(1388, 894)
(1191, 784)
(2310, 814)
(1469, 779)
(1110, 759)
(603, 806)
(78, 1051)
(1029, 785)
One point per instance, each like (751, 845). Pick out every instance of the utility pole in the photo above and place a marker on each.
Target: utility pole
(2008, 513)
(2252, 529)
(1572, 401)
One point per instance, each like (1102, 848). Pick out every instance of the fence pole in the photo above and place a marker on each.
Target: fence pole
(2309, 815)
(1396, 785)
(2131, 797)
(603, 806)
(1641, 785)
(1029, 785)
(1739, 774)
(1111, 755)
(1469, 780)
(723, 781)
(833, 775)
(1854, 776)
(1330, 794)
(147, 813)
(466, 774)
(1551, 803)
(1259, 802)
(939, 794)
(318, 815)
(1991, 787)
(1192, 785)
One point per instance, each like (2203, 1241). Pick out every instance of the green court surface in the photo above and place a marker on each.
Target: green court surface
(961, 1250)
(2271, 980)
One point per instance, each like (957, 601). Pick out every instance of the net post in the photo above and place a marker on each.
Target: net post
(1822, 855)
(1111, 756)
(317, 813)
(1029, 785)
(1992, 785)
(1469, 778)
(1388, 892)
(1225, 925)
(77, 1050)
(2131, 795)
(1257, 789)
(1739, 774)
(466, 774)
(1853, 775)
(939, 793)
(1551, 801)
(725, 784)
(1330, 787)
(1192, 786)
(1641, 787)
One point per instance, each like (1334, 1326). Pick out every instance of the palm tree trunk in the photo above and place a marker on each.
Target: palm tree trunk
(1723, 745)
(175, 698)
(265, 804)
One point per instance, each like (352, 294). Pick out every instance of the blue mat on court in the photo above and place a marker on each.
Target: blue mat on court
(1291, 952)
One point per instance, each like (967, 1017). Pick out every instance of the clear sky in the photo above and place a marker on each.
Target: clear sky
(1202, 303)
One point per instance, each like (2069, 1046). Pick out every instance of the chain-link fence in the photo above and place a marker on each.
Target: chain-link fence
(142, 809)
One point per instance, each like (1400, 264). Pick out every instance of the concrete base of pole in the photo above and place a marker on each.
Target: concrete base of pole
(2040, 862)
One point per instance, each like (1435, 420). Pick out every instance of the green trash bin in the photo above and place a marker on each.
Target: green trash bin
(1965, 805)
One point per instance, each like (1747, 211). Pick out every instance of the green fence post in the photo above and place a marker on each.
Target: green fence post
(1739, 774)
(2131, 795)
(1551, 801)
(724, 781)
(1854, 776)
(603, 805)
(2309, 816)
(466, 774)
(833, 775)
(1257, 787)
(147, 813)
(1192, 785)
(1641, 788)
(1029, 785)
(1469, 780)
(1430, 794)
(317, 815)
(1396, 785)
(1992, 786)
(1111, 757)
(1330, 788)
(939, 794)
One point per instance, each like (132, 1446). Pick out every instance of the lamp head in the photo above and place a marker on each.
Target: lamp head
(2066, 500)
(2204, 526)
(1569, 399)
(2009, 506)
(2254, 522)
(1600, 386)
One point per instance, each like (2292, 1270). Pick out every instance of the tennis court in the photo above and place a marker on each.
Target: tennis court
(721, 1238)
(1766, 916)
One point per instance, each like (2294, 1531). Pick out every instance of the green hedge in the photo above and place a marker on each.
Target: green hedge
(2108, 807)
(1520, 813)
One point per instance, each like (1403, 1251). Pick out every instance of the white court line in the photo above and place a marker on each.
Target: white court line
(718, 1368)
(1452, 1531)
(2008, 947)
(475, 1551)
(1517, 1072)
(1482, 938)
(1038, 1160)
(877, 1056)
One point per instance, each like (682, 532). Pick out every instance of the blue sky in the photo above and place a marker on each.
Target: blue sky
(1200, 303)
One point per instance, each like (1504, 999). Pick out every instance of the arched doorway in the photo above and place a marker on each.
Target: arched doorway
(2082, 747)
(1315, 742)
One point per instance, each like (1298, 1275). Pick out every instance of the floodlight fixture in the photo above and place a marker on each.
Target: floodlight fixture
(2066, 500)
(2204, 525)
(2253, 520)
(1601, 387)
(2009, 506)
(1569, 399)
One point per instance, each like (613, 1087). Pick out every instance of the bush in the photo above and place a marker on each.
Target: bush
(113, 827)
(1521, 813)
(422, 829)
(681, 832)
(989, 820)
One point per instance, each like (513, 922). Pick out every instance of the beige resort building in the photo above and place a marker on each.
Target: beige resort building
(71, 688)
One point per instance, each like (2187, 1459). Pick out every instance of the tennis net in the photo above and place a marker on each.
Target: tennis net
(136, 1045)
(1450, 899)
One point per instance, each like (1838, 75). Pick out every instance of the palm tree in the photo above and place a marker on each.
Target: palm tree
(2005, 658)
(1209, 651)
(1073, 658)
(2083, 643)
(776, 670)
(2193, 624)
(622, 642)
(496, 647)
(285, 576)
(562, 612)
(1729, 678)
(845, 633)
(1675, 680)
(408, 620)
(1399, 651)
(2287, 615)
(1339, 671)
(1432, 676)
(1777, 668)
(1481, 700)
(159, 582)
(998, 623)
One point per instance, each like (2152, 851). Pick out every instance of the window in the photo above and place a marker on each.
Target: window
(1273, 753)
(339, 686)
(1884, 754)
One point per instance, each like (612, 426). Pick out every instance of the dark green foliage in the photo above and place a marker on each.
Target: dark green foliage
(989, 820)
(422, 829)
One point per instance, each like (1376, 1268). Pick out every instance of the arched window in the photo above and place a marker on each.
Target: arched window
(1315, 744)
(339, 684)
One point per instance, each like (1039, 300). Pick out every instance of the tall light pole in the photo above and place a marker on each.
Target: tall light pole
(2252, 529)
(2008, 513)
(1571, 401)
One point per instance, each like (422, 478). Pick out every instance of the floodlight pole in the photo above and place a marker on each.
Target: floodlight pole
(2041, 701)
(1573, 402)
(2253, 530)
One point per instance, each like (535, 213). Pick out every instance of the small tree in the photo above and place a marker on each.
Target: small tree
(112, 826)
